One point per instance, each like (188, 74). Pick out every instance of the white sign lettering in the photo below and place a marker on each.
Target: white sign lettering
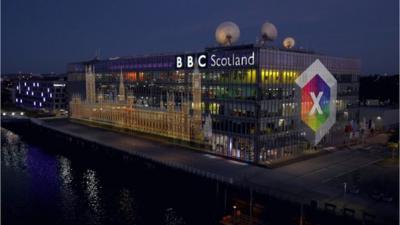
(316, 105)
(179, 63)
(200, 61)
(232, 60)
(188, 61)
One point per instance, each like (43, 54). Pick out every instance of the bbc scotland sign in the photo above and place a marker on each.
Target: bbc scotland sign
(318, 88)
(215, 60)
(189, 61)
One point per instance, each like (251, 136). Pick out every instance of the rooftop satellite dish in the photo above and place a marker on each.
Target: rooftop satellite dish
(268, 32)
(227, 33)
(289, 42)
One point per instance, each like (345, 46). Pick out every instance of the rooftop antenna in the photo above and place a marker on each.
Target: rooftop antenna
(227, 33)
(268, 32)
(288, 42)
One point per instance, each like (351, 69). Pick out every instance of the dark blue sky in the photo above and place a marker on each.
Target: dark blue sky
(42, 36)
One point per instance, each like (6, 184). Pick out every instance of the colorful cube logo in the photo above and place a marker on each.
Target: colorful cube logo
(318, 100)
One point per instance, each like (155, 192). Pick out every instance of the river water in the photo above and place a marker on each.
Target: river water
(48, 180)
(43, 186)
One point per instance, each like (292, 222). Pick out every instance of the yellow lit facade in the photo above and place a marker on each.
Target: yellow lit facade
(270, 76)
(183, 123)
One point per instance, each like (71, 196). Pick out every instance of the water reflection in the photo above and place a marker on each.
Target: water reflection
(65, 171)
(92, 189)
(68, 196)
(28, 182)
(171, 217)
(41, 186)
(13, 150)
(127, 207)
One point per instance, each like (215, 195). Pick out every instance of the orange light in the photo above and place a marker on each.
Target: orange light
(132, 76)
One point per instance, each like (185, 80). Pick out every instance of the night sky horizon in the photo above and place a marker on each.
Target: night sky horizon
(42, 36)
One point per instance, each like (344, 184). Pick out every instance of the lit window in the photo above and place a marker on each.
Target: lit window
(40, 104)
(32, 93)
(34, 84)
(25, 84)
(48, 90)
(281, 122)
(41, 94)
(44, 99)
(34, 103)
(37, 84)
(51, 95)
(29, 88)
(26, 93)
(20, 101)
(16, 100)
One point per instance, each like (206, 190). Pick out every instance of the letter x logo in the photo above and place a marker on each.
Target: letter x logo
(318, 91)
(316, 105)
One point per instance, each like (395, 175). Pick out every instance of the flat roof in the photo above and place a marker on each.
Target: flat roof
(206, 49)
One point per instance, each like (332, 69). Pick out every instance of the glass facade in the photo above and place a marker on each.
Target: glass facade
(254, 109)
(280, 125)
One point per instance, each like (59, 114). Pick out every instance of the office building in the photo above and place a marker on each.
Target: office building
(237, 101)
(42, 93)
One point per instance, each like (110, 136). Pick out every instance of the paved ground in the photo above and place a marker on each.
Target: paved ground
(314, 179)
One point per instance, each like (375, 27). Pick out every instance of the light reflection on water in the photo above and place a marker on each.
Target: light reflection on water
(92, 189)
(43, 187)
(69, 197)
(171, 218)
(14, 151)
(127, 206)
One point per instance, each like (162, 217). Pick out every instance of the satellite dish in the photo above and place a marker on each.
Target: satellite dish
(227, 33)
(268, 32)
(289, 42)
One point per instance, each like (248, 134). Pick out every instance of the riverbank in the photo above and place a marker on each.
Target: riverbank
(299, 183)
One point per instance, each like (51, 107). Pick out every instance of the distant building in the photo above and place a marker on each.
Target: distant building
(7, 92)
(372, 102)
(380, 118)
(45, 93)
(379, 90)
(241, 103)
